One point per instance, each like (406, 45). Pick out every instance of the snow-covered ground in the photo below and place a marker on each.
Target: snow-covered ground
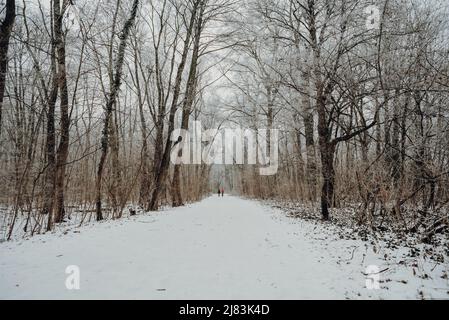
(220, 248)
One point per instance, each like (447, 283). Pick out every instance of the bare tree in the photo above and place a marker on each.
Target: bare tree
(62, 152)
(162, 167)
(111, 102)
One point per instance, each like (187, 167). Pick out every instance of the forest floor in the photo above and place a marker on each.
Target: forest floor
(220, 248)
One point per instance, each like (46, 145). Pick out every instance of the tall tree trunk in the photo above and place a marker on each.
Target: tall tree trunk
(161, 173)
(328, 172)
(322, 91)
(327, 150)
(115, 163)
(145, 156)
(63, 148)
(5, 34)
(187, 107)
(110, 104)
(307, 112)
(299, 178)
(50, 143)
(311, 166)
(270, 181)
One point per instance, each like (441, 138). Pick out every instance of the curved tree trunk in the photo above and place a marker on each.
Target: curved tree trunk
(187, 107)
(109, 106)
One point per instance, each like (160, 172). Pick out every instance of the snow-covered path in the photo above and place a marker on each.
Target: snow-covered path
(220, 248)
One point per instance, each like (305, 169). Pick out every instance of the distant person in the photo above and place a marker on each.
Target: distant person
(222, 192)
(219, 191)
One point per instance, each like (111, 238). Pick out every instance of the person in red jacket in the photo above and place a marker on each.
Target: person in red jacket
(222, 192)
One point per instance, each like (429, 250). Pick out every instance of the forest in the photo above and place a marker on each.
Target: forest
(92, 91)
(93, 95)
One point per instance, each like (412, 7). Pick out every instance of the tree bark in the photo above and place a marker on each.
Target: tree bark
(308, 120)
(50, 145)
(110, 104)
(5, 34)
(189, 100)
(145, 156)
(311, 166)
(63, 148)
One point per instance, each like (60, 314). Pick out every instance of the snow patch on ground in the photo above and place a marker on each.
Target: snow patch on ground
(220, 248)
